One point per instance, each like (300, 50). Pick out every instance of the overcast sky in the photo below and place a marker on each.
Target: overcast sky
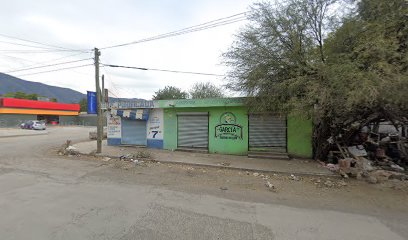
(85, 24)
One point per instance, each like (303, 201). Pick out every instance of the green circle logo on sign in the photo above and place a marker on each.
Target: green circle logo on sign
(228, 118)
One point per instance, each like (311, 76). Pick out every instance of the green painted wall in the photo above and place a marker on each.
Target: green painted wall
(299, 132)
(300, 136)
(216, 144)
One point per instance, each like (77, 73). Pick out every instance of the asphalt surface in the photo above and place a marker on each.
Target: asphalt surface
(47, 197)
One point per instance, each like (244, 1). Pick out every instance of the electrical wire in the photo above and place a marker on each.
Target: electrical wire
(25, 45)
(111, 83)
(39, 43)
(164, 70)
(50, 65)
(211, 24)
(20, 51)
(55, 70)
(43, 62)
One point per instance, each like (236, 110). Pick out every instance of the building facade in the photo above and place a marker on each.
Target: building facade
(15, 111)
(221, 125)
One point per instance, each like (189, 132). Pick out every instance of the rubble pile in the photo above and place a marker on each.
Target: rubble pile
(68, 149)
(375, 152)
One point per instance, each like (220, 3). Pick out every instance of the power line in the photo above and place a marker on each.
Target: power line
(211, 24)
(164, 70)
(55, 70)
(18, 51)
(39, 43)
(50, 65)
(25, 45)
(43, 62)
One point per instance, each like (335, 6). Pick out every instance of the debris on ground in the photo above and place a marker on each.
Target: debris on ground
(294, 178)
(329, 183)
(224, 188)
(225, 164)
(68, 149)
(255, 174)
(375, 151)
(270, 186)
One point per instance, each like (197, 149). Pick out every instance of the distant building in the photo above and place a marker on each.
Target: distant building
(14, 111)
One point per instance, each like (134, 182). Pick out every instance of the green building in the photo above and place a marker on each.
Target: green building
(224, 126)
(219, 125)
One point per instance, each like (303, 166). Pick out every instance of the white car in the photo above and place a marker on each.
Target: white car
(39, 125)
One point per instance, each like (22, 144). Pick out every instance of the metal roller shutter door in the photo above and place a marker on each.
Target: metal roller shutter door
(267, 131)
(192, 131)
(133, 132)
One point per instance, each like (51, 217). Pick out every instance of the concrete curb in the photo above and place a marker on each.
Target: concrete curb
(24, 135)
(303, 174)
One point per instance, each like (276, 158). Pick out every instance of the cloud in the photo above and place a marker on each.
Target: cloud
(86, 24)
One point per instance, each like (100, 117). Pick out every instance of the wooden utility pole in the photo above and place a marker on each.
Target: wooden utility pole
(99, 127)
(103, 89)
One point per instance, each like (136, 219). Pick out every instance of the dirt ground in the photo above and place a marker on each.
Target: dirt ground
(347, 195)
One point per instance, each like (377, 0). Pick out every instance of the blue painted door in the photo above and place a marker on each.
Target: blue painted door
(133, 132)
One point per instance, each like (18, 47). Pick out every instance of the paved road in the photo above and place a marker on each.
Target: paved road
(51, 198)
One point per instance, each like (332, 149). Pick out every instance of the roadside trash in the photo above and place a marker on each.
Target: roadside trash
(270, 186)
(294, 178)
(68, 149)
(126, 157)
(374, 150)
(332, 167)
(342, 183)
(328, 183)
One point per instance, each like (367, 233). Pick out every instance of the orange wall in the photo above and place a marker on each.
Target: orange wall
(37, 112)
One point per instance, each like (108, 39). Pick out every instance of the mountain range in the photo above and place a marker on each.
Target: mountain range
(9, 83)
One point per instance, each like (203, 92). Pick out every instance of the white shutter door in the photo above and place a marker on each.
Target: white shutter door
(267, 131)
(192, 131)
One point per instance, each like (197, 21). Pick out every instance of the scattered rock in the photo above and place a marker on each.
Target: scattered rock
(255, 174)
(224, 188)
(328, 183)
(341, 183)
(294, 178)
(270, 186)
(106, 159)
(247, 173)
(372, 180)
(381, 175)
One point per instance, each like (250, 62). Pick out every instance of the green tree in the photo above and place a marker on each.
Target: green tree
(22, 95)
(83, 103)
(205, 90)
(294, 58)
(53, 100)
(170, 92)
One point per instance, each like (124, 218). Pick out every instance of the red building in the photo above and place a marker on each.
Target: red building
(12, 110)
